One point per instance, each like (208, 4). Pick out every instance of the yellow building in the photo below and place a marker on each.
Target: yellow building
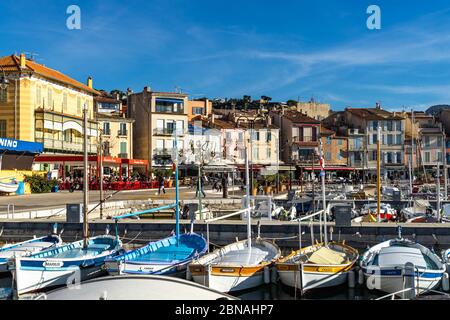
(43, 105)
(157, 115)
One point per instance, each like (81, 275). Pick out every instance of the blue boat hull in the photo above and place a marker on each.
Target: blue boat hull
(162, 257)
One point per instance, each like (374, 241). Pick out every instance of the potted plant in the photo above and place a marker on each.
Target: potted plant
(269, 182)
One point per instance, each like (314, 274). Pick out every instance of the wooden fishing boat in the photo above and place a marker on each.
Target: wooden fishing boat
(63, 265)
(164, 256)
(236, 266)
(136, 287)
(383, 265)
(26, 248)
(317, 266)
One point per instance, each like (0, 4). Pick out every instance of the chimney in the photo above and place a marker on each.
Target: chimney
(147, 89)
(269, 121)
(23, 61)
(118, 96)
(89, 82)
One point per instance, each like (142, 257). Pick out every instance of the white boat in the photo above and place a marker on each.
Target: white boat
(420, 209)
(26, 248)
(62, 265)
(8, 187)
(317, 266)
(135, 287)
(236, 266)
(383, 266)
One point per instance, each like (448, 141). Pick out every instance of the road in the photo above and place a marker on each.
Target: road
(59, 199)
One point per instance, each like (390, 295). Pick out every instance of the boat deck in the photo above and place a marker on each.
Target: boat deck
(91, 251)
(26, 247)
(169, 254)
(245, 256)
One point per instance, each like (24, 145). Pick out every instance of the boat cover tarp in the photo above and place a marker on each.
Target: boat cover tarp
(245, 256)
(327, 256)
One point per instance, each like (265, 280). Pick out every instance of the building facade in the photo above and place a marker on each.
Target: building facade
(43, 105)
(158, 116)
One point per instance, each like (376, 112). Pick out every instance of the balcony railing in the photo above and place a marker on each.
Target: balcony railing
(167, 131)
(162, 152)
(123, 155)
(64, 146)
(107, 132)
(122, 132)
(305, 139)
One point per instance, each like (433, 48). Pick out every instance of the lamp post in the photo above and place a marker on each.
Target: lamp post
(85, 178)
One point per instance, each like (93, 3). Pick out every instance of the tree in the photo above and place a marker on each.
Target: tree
(292, 103)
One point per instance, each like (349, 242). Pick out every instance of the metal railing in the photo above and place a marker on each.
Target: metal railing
(8, 211)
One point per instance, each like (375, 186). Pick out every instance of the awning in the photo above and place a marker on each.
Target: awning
(330, 168)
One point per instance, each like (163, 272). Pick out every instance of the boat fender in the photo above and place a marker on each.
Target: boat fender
(274, 275)
(266, 275)
(445, 282)
(360, 277)
(351, 279)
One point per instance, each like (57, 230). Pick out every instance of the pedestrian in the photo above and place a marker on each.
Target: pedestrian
(161, 180)
(202, 185)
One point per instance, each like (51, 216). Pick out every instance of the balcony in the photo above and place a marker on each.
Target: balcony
(107, 132)
(122, 133)
(64, 146)
(162, 152)
(166, 131)
(357, 148)
(306, 141)
(123, 155)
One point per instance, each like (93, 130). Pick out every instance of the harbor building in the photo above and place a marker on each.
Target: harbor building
(429, 141)
(43, 105)
(46, 106)
(198, 107)
(157, 115)
(116, 128)
(300, 136)
(335, 151)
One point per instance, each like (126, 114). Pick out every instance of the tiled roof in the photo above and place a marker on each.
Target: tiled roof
(298, 117)
(374, 113)
(12, 64)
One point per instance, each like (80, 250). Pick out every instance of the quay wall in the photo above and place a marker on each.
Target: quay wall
(224, 232)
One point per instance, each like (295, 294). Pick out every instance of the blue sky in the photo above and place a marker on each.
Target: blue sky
(283, 49)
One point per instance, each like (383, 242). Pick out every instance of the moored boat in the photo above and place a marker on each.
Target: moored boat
(136, 287)
(160, 257)
(63, 265)
(383, 266)
(236, 266)
(317, 266)
(26, 248)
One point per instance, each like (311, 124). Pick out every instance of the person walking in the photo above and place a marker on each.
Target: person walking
(202, 185)
(161, 185)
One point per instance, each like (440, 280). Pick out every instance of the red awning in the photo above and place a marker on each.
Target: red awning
(330, 168)
(135, 162)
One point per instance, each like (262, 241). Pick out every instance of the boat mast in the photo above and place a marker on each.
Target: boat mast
(85, 178)
(438, 191)
(378, 173)
(322, 174)
(177, 208)
(249, 228)
(410, 162)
